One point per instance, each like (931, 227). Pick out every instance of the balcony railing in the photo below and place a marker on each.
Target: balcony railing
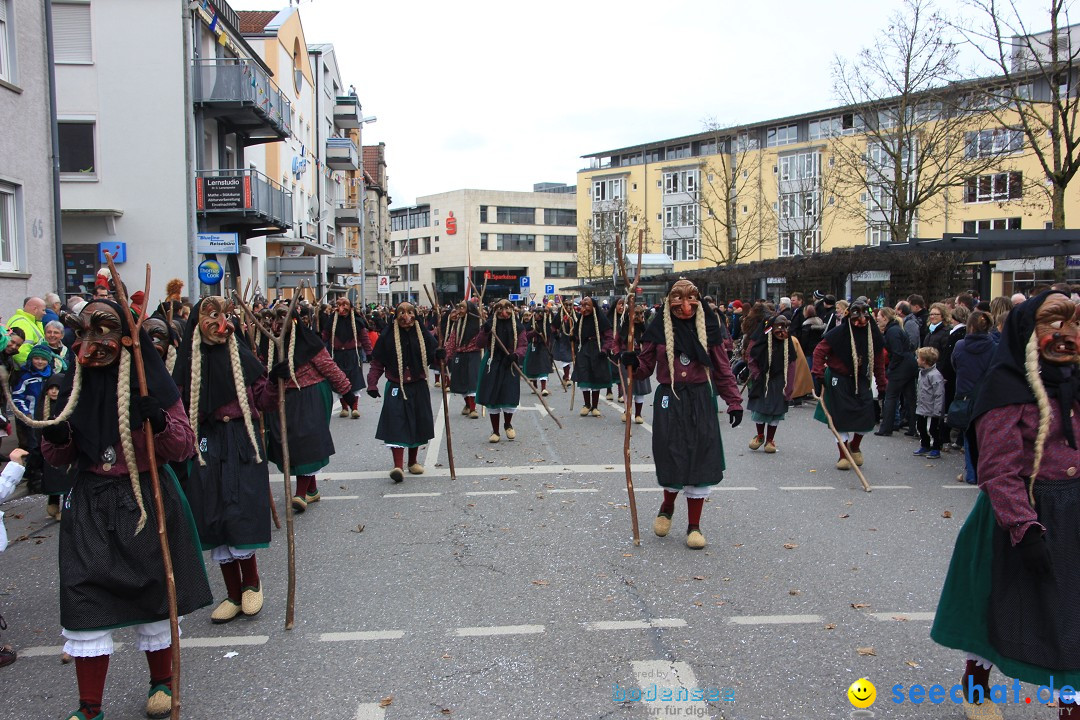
(347, 214)
(347, 112)
(245, 197)
(341, 154)
(239, 92)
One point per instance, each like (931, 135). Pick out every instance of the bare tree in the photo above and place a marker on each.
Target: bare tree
(1038, 94)
(596, 258)
(911, 124)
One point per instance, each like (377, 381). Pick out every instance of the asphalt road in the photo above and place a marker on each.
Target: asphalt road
(516, 590)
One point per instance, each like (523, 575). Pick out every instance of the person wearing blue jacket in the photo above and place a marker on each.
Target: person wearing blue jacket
(971, 359)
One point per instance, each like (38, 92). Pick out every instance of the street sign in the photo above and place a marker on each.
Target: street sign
(213, 243)
(524, 281)
(514, 297)
(353, 280)
(549, 289)
(384, 284)
(210, 272)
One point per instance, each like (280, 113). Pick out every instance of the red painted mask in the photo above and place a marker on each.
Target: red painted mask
(1056, 325)
(684, 299)
(214, 325)
(99, 335)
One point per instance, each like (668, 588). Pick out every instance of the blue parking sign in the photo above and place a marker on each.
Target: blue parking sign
(524, 281)
(549, 289)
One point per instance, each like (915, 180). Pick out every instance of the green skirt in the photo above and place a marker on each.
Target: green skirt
(961, 622)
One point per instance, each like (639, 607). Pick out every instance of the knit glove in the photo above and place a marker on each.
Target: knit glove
(735, 417)
(148, 408)
(280, 371)
(440, 354)
(1036, 554)
(373, 392)
(57, 434)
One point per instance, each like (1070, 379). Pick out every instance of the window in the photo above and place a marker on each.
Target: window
(417, 219)
(783, 135)
(680, 181)
(560, 243)
(988, 143)
(483, 214)
(609, 189)
(514, 242)
(997, 187)
(77, 148)
(745, 142)
(800, 166)
(706, 147)
(515, 215)
(560, 269)
(7, 43)
(71, 33)
(612, 221)
(555, 216)
(680, 249)
(483, 241)
(803, 242)
(974, 227)
(677, 152)
(425, 245)
(876, 234)
(9, 227)
(652, 156)
(676, 216)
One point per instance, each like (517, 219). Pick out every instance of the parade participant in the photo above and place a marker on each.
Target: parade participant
(311, 377)
(773, 363)
(499, 389)
(846, 361)
(347, 334)
(164, 338)
(463, 348)
(1007, 598)
(565, 322)
(540, 332)
(438, 324)
(112, 573)
(641, 387)
(593, 344)
(403, 353)
(685, 347)
(225, 388)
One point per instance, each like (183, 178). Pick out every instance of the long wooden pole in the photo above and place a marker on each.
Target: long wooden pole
(843, 445)
(155, 483)
(434, 300)
(628, 391)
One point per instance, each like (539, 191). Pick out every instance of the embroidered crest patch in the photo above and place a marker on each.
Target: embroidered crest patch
(664, 402)
(394, 392)
(202, 445)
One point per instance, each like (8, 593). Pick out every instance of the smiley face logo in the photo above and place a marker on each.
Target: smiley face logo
(862, 693)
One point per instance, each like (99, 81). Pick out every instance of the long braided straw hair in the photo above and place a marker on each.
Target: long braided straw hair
(855, 355)
(195, 390)
(768, 365)
(1042, 399)
(494, 324)
(423, 352)
(669, 338)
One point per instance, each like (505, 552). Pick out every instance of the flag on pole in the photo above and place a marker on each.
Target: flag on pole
(213, 22)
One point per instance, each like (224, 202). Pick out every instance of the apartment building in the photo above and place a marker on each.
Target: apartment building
(456, 240)
(376, 255)
(777, 188)
(27, 228)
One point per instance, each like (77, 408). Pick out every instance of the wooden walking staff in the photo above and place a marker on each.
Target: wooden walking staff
(132, 341)
(843, 445)
(279, 343)
(434, 300)
(628, 388)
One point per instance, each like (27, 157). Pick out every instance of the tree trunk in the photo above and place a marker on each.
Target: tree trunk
(1058, 221)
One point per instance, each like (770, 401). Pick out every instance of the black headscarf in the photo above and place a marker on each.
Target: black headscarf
(411, 358)
(1008, 377)
(343, 332)
(217, 387)
(685, 334)
(94, 423)
(839, 342)
(588, 329)
(472, 324)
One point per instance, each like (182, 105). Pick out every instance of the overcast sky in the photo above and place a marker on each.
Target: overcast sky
(499, 95)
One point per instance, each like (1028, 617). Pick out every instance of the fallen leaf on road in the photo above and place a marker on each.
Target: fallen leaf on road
(446, 711)
(813, 471)
(830, 626)
(899, 618)
(385, 702)
(866, 651)
(946, 514)
(794, 592)
(912, 663)
(698, 603)
(726, 579)
(790, 546)
(859, 606)
(539, 582)
(699, 577)
(446, 656)
(738, 545)
(845, 515)
(359, 529)
(628, 554)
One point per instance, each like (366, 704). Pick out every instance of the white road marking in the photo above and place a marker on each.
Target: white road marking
(635, 624)
(774, 619)
(960, 486)
(497, 630)
(362, 635)
(410, 495)
(370, 711)
(901, 616)
(490, 471)
(891, 487)
(432, 455)
(573, 490)
(806, 487)
(492, 492)
(210, 642)
(340, 497)
(658, 679)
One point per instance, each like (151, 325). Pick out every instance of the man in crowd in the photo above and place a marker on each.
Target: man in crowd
(28, 319)
(909, 322)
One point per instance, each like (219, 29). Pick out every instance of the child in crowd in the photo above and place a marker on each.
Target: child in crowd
(929, 404)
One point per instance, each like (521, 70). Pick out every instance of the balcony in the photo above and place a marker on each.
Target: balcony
(347, 112)
(341, 154)
(347, 214)
(244, 200)
(239, 93)
(344, 262)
